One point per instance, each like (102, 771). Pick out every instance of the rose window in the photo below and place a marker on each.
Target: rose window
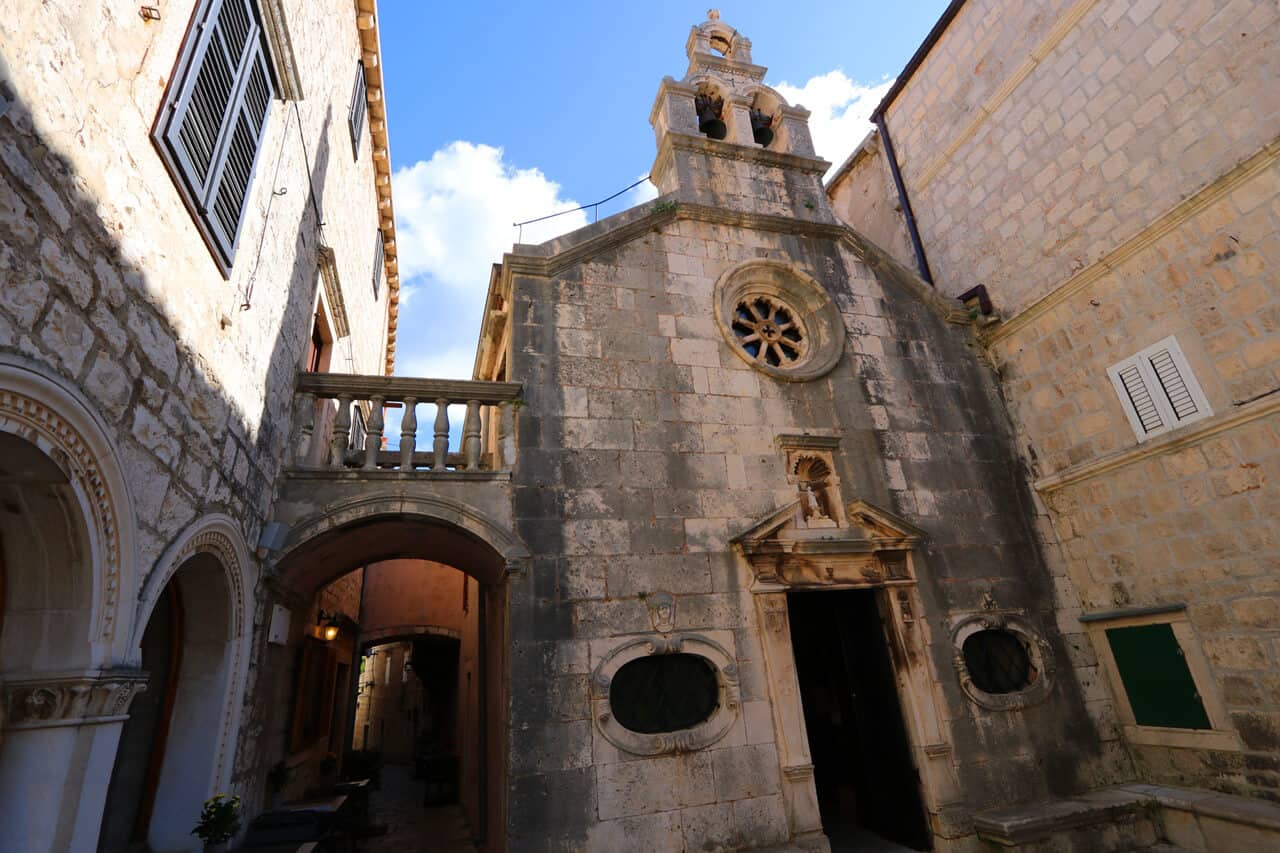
(769, 331)
(778, 320)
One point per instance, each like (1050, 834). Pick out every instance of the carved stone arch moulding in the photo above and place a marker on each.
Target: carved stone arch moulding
(704, 734)
(1037, 648)
(779, 320)
(53, 416)
(219, 536)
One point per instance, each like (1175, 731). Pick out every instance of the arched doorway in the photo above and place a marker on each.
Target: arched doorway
(344, 539)
(66, 570)
(170, 750)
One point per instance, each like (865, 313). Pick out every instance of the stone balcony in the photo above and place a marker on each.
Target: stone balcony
(342, 419)
(343, 474)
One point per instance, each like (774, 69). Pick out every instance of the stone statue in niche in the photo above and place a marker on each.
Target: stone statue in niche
(662, 612)
(812, 477)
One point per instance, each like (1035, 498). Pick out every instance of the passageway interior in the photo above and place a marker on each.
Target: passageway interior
(868, 790)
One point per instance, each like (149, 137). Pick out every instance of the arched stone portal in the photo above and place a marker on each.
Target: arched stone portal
(66, 532)
(346, 536)
(177, 747)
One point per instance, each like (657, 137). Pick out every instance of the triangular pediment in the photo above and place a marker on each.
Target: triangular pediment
(870, 528)
(869, 550)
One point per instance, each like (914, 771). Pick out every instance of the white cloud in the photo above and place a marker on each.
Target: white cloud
(840, 108)
(453, 222)
(454, 213)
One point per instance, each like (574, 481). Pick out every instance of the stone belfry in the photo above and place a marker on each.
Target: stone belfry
(720, 115)
(768, 492)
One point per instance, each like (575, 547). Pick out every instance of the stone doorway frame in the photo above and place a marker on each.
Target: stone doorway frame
(877, 551)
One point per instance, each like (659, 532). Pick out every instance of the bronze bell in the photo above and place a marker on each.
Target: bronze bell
(761, 127)
(709, 116)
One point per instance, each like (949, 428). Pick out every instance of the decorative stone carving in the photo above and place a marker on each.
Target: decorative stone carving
(73, 699)
(702, 735)
(785, 551)
(662, 611)
(779, 320)
(1041, 655)
(58, 435)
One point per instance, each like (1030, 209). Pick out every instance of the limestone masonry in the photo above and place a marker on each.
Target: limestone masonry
(928, 501)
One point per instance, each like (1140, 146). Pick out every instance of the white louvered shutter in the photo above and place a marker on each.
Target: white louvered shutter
(356, 111)
(215, 128)
(1157, 390)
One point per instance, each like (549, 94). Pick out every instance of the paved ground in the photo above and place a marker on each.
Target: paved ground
(412, 827)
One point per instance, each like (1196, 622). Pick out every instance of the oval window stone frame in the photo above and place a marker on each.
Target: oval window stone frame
(1038, 650)
(703, 734)
(809, 303)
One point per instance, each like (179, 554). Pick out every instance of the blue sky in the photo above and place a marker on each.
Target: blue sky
(506, 111)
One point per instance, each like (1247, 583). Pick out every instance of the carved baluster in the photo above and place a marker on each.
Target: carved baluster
(408, 433)
(440, 446)
(306, 427)
(341, 431)
(471, 436)
(373, 437)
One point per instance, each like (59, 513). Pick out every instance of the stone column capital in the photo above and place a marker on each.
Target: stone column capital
(49, 700)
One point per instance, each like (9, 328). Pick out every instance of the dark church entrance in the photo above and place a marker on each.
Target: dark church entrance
(868, 790)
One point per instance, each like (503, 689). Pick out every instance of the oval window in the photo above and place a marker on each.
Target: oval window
(998, 661)
(664, 693)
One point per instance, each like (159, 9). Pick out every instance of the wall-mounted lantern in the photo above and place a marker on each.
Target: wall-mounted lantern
(327, 626)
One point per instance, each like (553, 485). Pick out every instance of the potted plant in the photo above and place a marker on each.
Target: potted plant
(219, 822)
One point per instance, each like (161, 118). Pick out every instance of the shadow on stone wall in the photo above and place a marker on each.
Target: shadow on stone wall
(73, 303)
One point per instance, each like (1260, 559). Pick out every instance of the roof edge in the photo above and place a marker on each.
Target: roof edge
(917, 59)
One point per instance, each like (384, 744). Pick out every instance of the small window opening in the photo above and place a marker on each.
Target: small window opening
(998, 662)
(1156, 678)
(664, 693)
(720, 45)
(710, 115)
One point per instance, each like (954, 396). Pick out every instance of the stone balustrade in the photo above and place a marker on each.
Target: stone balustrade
(342, 419)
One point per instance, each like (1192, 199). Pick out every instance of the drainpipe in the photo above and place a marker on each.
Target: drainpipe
(913, 232)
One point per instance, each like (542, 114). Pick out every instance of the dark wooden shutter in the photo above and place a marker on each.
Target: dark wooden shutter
(1159, 685)
(378, 255)
(355, 113)
(215, 127)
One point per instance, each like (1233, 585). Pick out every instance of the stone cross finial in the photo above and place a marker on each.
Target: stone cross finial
(713, 14)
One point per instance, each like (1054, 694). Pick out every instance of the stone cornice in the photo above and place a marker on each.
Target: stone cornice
(371, 58)
(551, 258)
(1126, 251)
(51, 700)
(673, 141)
(1168, 443)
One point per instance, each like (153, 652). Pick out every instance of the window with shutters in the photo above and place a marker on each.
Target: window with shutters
(356, 112)
(215, 112)
(1165, 693)
(378, 265)
(1157, 390)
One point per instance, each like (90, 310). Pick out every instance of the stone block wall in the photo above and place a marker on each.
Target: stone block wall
(646, 444)
(105, 280)
(1035, 138)
(1109, 171)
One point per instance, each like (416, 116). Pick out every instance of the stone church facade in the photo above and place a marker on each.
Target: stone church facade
(753, 538)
